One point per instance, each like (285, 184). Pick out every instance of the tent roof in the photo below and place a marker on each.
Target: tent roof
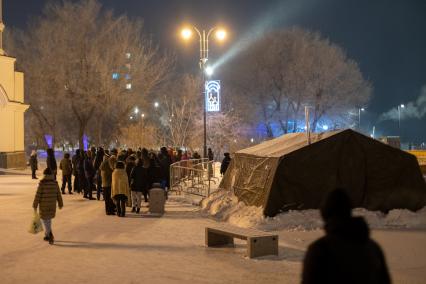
(285, 144)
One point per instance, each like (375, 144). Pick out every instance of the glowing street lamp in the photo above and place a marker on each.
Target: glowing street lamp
(142, 115)
(156, 104)
(209, 70)
(221, 34)
(136, 110)
(204, 36)
(186, 33)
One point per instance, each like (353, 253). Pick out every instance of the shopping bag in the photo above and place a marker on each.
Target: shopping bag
(35, 226)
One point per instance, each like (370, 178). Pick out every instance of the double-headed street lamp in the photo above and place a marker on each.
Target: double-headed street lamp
(204, 36)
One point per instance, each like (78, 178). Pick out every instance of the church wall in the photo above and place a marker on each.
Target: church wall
(19, 87)
(7, 126)
(7, 76)
(19, 131)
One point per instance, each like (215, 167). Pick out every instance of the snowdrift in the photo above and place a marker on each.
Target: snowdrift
(224, 206)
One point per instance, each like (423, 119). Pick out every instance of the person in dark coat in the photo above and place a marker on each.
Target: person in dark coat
(96, 164)
(130, 164)
(33, 164)
(66, 166)
(75, 170)
(106, 174)
(346, 254)
(141, 181)
(89, 172)
(165, 162)
(225, 163)
(210, 154)
(51, 162)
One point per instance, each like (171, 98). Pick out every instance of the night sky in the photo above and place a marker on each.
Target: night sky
(386, 38)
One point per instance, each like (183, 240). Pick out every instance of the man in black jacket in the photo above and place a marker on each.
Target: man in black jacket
(225, 163)
(346, 254)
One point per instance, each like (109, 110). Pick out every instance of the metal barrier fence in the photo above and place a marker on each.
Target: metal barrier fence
(193, 176)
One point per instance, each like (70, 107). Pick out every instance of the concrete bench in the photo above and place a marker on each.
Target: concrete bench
(258, 243)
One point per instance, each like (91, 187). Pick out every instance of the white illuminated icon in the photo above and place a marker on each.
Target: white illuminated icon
(212, 93)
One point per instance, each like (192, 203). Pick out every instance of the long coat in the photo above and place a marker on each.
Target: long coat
(120, 183)
(106, 172)
(33, 162)
(66, 166)
(141, 178)
(46, 197)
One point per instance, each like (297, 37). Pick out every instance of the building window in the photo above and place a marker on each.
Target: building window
(128, 55)
(128, 77)
(128, 86)
(115, 76)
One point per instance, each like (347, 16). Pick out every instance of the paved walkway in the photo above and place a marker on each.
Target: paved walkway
(91, 247)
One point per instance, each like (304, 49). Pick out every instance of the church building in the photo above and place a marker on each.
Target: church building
(12, 108)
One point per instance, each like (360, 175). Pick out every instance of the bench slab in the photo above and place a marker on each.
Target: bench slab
(258, 243)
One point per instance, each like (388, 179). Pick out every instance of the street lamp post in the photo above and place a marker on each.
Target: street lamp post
(359, 117)
(399, 116)
(204, 56)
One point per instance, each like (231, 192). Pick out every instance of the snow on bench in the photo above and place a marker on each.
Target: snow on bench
(258, 243)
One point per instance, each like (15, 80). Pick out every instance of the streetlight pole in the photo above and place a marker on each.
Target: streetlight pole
(359, 117)
(204, 56)
(399, 117)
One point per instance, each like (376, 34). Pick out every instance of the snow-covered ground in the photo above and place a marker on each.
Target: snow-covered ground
(94, 248)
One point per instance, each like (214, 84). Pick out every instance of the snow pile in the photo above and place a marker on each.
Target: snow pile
(224, 206)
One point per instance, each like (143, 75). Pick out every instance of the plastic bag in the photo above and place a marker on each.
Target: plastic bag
(35, 226)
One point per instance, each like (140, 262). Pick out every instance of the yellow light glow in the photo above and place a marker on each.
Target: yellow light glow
(186, 33)
(221, 34)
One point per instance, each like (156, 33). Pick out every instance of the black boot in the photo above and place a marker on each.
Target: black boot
(51, 239)
(133, 209)
(138, 210)
(123, 208)
(118, 209)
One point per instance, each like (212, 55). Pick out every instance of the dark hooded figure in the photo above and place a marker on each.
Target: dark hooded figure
(165, 162)
(51, 162)
(99, 158)
(75, 170)
(225, 163)
(346, 254)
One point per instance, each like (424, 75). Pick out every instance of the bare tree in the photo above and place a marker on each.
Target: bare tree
(288, 69)
(71, 55)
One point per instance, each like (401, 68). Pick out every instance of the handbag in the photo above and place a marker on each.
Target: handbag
(35, 226)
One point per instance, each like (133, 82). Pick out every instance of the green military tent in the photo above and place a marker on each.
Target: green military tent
(287, 173)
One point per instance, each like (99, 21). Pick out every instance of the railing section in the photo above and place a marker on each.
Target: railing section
(194, 176)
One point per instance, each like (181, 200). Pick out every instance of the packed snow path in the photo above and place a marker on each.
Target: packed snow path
(91, 247)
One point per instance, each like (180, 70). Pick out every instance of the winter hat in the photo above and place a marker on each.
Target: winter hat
(119, 165)
(337, 205)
